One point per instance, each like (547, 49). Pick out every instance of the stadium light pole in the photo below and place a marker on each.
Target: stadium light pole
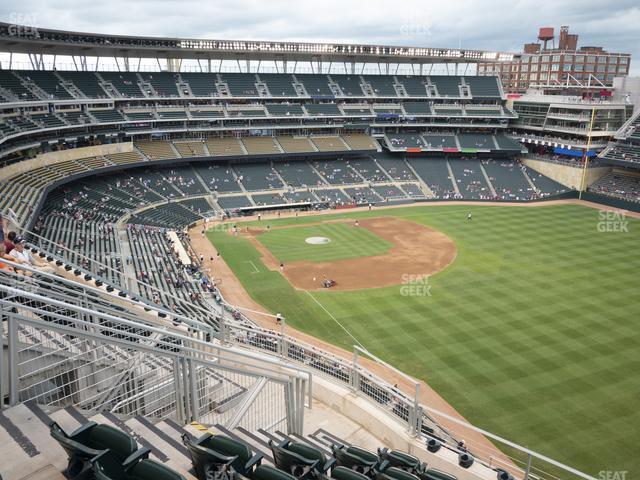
(585, 154)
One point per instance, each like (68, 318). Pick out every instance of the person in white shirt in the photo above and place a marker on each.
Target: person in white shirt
(25, 257)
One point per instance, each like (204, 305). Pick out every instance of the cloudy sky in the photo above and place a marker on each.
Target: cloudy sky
(489, 24)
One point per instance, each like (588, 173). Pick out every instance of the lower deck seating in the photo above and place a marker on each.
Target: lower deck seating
(395, 166)
(298, 174)
(470, 179)
(619, 185)
(434, 172)
(337, 172)
(509, 180)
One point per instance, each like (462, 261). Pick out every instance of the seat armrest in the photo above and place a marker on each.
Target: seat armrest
(135, 457)
(254, 461)
(328, 465)
(382, 466)
(99, 455)
(203, 439)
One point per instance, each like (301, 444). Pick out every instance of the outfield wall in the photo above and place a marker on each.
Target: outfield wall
(611, 201)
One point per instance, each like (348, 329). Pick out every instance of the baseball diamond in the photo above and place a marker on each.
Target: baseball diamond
(510, 323)
(379, 258)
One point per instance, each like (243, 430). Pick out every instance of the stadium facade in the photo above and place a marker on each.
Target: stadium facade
(103, 170)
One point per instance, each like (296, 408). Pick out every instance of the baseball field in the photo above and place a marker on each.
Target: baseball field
(526, 320)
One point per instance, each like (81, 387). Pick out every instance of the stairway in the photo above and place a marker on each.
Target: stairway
(29, 452)
(28, 448)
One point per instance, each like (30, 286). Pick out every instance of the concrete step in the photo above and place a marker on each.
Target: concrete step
(17, 457)
(34, 424)
(177, 457)
(67, 422)
(48, 472)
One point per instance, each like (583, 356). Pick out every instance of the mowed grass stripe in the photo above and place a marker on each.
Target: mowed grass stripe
(531, 333)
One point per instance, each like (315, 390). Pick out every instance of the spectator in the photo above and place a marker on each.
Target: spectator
(4, 267)
(8, 242)
(25, 257)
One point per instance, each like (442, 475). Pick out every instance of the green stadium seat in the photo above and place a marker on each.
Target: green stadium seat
(344, 473)
(357, 459)
(402, 460)
(299, 459)
(218, 452)
(433, 474)
(394, 473)
(136, 467)
(91, 440)
(266, 472)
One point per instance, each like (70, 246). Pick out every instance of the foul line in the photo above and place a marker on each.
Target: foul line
(253, 265)
(335, 320)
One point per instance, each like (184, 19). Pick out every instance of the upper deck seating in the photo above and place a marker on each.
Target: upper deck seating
(126, 83)
(164, 83)
(240, 84)
(48, 82)
(349, 85)
(315, 85)
(279, 84)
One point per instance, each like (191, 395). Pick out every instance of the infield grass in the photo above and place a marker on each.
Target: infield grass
(532, 333)
(346, 241)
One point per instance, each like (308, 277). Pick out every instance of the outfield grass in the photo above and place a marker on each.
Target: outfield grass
(532, 333)
(347, 241)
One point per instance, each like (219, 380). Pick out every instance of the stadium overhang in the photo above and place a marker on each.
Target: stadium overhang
(20, 39)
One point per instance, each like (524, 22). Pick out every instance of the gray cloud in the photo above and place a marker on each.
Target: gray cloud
(495, 25)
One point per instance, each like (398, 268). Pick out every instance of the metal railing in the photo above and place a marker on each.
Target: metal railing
(61, 354)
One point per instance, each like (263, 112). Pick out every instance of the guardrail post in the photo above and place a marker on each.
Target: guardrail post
(193, 389)
(12, 335)
(281, 341)
(186, 392)
(2, 312)
(528, 469)
(353, 377)
(416, 423)
(179, 395)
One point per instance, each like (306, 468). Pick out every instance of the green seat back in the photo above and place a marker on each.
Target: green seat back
(363, 454)
(344, 473)
(265, 472)
(399, 474)
(150, 470)
(307, 451)
(230, 447)
(432, 474)
(103, 437)
(401, 458)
